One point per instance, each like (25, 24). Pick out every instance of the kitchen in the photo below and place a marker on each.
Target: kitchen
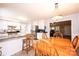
(10, 37)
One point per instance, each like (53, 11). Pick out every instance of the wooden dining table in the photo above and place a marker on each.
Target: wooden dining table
(64, 47)
(56, 47)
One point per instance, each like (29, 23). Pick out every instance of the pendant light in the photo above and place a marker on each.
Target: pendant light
(58, 16)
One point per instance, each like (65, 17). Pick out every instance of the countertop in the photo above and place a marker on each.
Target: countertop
(6, 38)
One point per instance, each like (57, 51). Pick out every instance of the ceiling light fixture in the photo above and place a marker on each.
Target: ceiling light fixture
(57, 16)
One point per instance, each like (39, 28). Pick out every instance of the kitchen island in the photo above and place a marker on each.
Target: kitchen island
(11, 44)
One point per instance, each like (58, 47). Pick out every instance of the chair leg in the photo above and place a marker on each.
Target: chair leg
(27, 50)
(35, 53)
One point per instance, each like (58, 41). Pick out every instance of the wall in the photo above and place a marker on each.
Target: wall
(40, 23)
(75, 25)
(28, 28)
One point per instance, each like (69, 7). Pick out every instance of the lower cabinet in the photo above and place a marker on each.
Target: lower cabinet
(11, 46)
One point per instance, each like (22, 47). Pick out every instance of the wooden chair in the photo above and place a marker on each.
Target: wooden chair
(44, 36)
(58, 34)
(27, 43)
(36, 47)
(77, 46)
(44, 48)
(75, 42)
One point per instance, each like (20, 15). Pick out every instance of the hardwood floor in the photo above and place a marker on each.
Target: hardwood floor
(24, 53)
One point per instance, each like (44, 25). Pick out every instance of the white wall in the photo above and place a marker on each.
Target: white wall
(75, 25)
(28, 28)
(47, 24)
(40, 23)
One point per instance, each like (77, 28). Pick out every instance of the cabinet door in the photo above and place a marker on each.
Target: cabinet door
(11, 47)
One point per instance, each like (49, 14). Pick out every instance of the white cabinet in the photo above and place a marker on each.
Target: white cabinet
(11, 47)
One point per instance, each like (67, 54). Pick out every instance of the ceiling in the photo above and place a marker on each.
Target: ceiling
(36, 11)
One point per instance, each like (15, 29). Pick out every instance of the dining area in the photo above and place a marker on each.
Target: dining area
(56, 46)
